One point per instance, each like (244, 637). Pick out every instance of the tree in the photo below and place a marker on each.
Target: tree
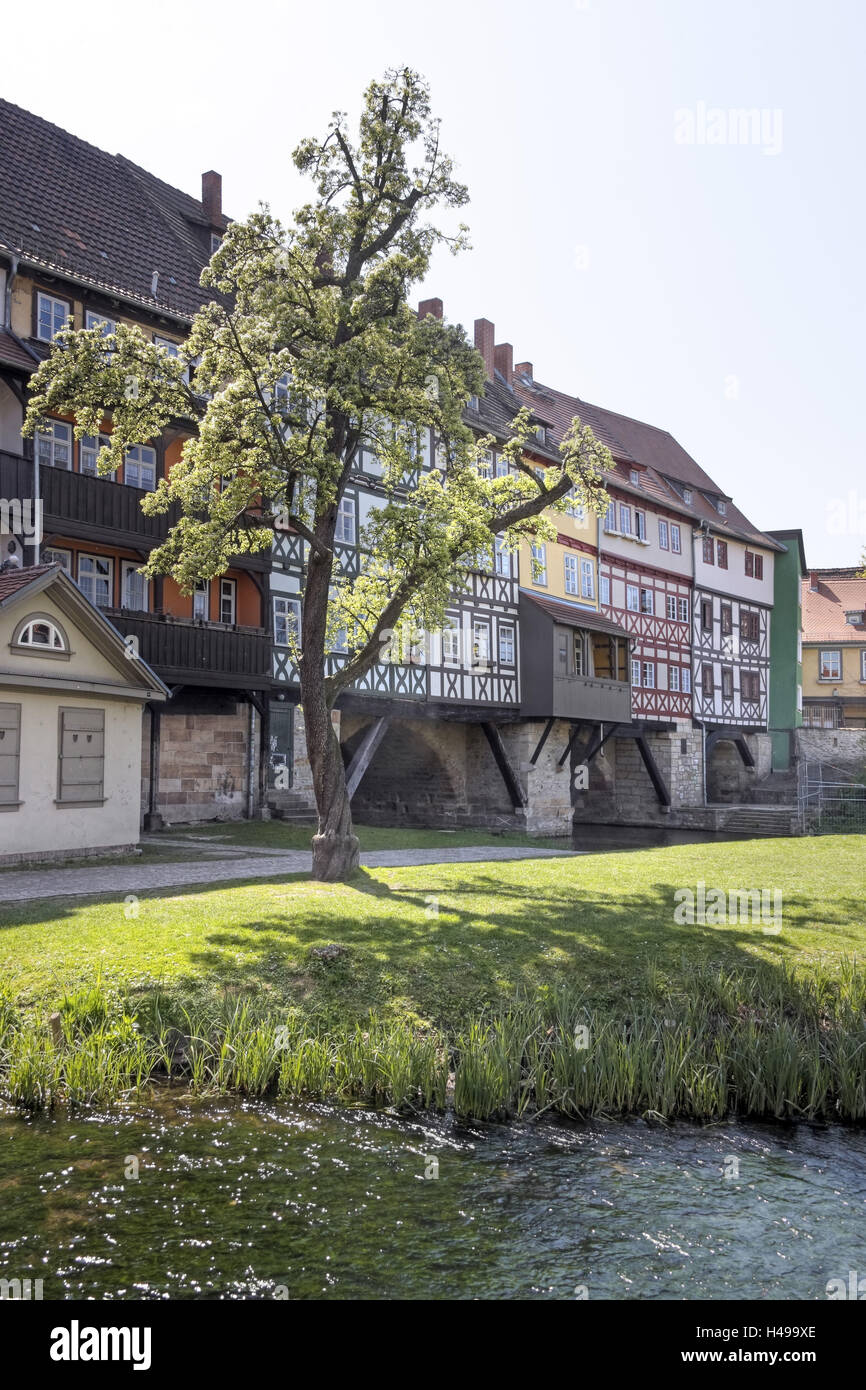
(307, 349)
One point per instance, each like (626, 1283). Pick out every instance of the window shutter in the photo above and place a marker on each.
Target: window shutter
(10, 747)
(82, 755)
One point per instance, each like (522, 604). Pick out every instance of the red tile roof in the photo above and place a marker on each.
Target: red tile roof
(824, 609)
(72, 208)
(14, 354)
(12, 580)
(656, 454)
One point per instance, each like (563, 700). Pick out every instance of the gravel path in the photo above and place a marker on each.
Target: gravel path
(105, 880)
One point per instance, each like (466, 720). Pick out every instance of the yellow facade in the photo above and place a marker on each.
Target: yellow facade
(849, 686)
(564, 565)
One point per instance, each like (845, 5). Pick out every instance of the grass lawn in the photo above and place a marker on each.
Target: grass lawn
(443, 942)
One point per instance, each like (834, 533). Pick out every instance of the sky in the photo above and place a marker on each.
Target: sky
(634, 239)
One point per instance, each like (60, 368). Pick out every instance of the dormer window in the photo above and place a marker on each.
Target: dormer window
(634, 477)
(687, 496)
(42, 635)
(723, 507)
(855, 618)
(215, 240)
(472, 403)
(541, 433)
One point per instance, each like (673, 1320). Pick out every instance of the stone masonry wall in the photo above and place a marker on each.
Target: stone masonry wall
(203, 764)
(846, 748)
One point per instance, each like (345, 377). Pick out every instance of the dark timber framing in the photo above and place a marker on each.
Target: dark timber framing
(509, 776)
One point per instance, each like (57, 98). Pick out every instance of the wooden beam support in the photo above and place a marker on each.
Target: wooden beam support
(598, 743)
(541, 742)
(651, 766)
(744, 751)
(373, 736)
(572, 740)
(509, 776)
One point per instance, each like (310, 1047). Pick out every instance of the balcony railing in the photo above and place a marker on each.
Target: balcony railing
(591, 697)
(185, 652)
(86, 507)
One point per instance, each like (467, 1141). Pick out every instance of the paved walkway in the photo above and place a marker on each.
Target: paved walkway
(106, 880)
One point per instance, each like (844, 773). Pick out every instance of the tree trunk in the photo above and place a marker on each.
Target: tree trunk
(335, 846)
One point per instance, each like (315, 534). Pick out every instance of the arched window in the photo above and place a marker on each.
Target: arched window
(41, 633)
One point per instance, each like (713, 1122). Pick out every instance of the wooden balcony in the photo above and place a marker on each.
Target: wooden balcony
(186, 652)
(591, 697)
(96, 509)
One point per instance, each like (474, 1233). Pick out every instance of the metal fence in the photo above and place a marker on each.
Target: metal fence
(830, 799)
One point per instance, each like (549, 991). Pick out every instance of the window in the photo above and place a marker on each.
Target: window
(480, 642)
(539, 564)
(635, 672)
(82, 756)
(51, 315)
(671, 606)
(676, 543)
(541, 433)
(139, 468)
(727, 683)
(854, 618)
(673, 677)
(632, 598)
(10, 747)
(831, 666)
(40, 632)
(707, 681)
(709, 558)
(634, 477)
(579, 657)
(754, 565)
(172, 349)
(500, 466)
(727, 619)
(54, 446)
(687, 496)
(88, 452)
(750, 687)
(345, 531)
(287, 620)
(63, 558)
(604, 586)
(506, 644)
(750, 625)
(647, 601)
(625, 519)
(723, 507)
(707, 614)
(215, 240)
(501, 558)
(686, 680)
(575, 509)
(683, 609)
(648, 673)
(281, 395)
(201, 600)
(96, 579)
(228, 601)
(450, 642)
(92, 320)
(640, 525)
(722, 554)
(134, 590)
(485, 464)
(571, 580)
(610, 517)
(663, 535)
(587, 581)
(863, 664)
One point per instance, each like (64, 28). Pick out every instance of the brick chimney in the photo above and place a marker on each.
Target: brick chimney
(485, 333)
(813, 581)
(212, 197)
(430, 306)
(524, 369)
(503, 358)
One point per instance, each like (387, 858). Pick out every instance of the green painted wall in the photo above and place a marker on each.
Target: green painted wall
(786, 666)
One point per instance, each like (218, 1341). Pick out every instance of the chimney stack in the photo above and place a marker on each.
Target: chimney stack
(524, 369)
(484, 335)
(430, 306)
(212, 197)
(503, 359)
(813, 581)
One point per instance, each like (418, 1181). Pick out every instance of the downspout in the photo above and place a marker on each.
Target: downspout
(7, 298)
(251, 763)
(11, 277)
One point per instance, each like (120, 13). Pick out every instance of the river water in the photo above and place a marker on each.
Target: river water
(239, 1200)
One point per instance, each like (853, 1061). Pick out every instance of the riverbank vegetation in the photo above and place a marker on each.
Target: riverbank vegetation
(499, 989)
